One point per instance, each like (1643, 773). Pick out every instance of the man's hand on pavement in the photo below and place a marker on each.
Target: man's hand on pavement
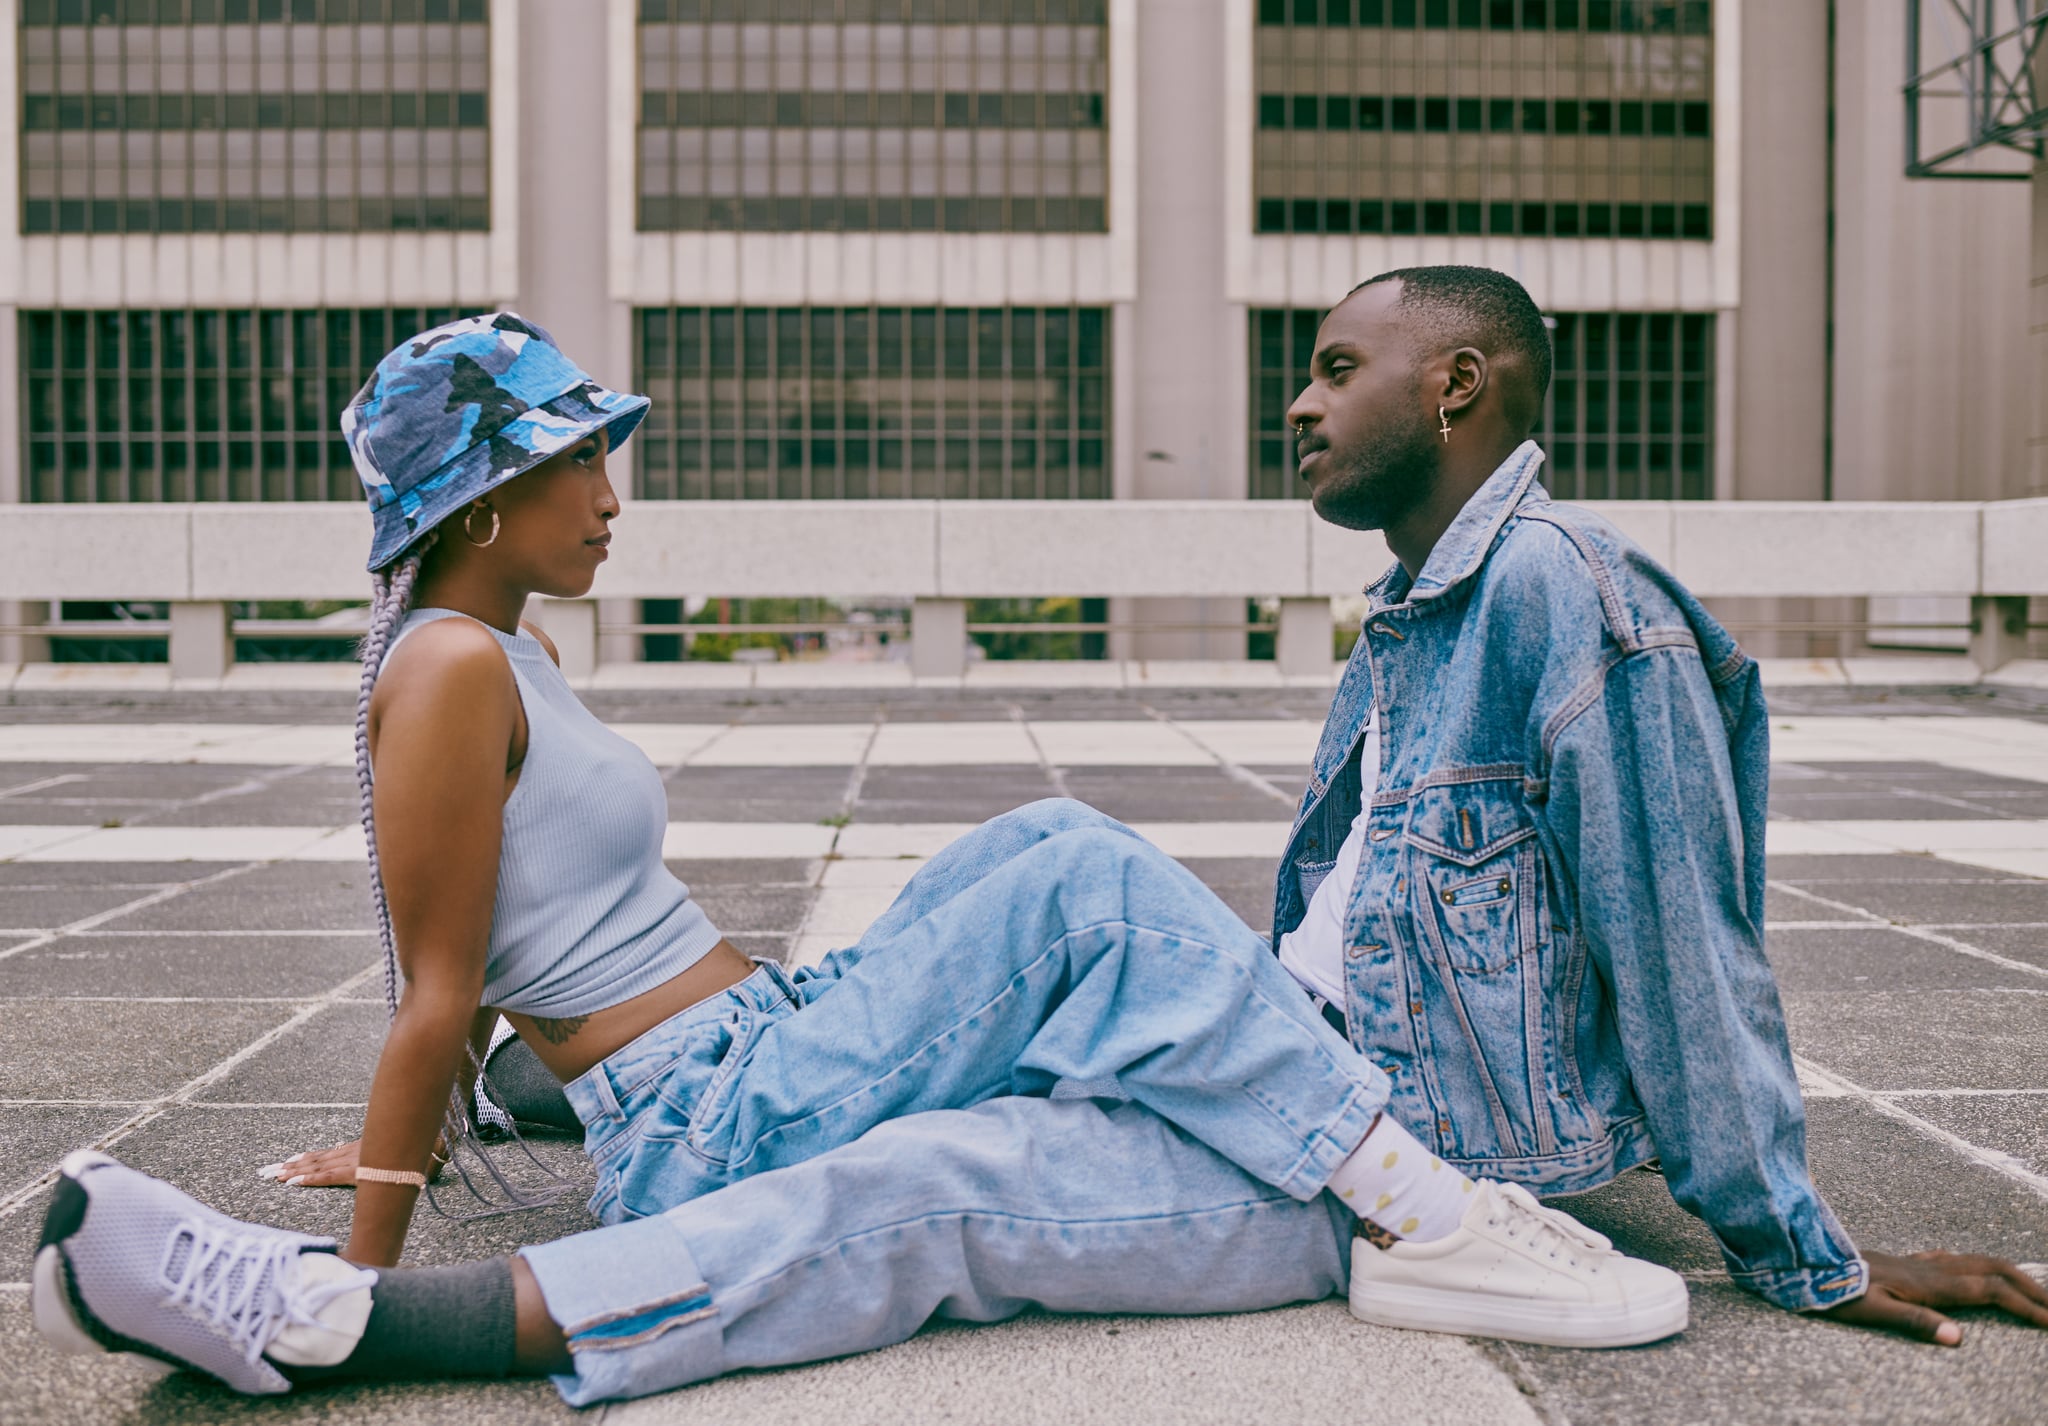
(1906, 1291)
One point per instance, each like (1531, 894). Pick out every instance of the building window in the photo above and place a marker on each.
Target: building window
(1629, 414)
(873, 116)
(229, 116)
(824, 403)
(1537, 118)
(200, 404)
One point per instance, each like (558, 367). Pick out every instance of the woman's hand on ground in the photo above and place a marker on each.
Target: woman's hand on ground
(1906, 1291)
(325, 1168)
(320, 1168)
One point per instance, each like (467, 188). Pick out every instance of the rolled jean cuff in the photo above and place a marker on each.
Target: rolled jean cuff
(1336, 1141)
(1813, 1289)
(637, 1313)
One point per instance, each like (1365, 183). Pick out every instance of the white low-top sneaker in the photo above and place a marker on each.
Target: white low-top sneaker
(129, 1264)
(1517, 1270)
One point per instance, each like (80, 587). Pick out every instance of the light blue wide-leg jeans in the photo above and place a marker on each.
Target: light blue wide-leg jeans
(977, 1214)
(1050, 955)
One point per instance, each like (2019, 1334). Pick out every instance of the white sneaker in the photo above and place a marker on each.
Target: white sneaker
(129, 1264)
(1517, 1270)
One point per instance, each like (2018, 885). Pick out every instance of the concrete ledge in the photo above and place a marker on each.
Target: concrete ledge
(1905, 671)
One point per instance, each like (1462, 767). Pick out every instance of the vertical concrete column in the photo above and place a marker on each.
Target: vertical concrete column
(1775, 348)
(2036, 470)
(571, 625)
(1303, 646)
(1998, 630)
(202, 640)
(15, 648)
(938, 638)
(565, 220)
(1188, 340)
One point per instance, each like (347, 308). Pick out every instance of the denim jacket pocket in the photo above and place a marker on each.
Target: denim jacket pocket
(1471, 850)
(1309, 875)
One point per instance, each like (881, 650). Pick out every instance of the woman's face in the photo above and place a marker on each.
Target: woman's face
(554, 521)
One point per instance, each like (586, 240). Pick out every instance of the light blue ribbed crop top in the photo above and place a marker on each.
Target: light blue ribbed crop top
(587, 914)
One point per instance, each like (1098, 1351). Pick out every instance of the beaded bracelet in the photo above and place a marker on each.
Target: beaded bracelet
(405, 1176)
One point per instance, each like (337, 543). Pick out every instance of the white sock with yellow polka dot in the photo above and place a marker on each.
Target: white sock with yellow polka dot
(1395, 1183)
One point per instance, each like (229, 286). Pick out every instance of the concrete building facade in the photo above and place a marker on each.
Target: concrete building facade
(996, 249)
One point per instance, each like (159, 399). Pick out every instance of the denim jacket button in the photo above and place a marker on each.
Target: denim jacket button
(1449, 899)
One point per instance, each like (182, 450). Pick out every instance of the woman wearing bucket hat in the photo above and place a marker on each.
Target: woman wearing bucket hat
(1056, 1071)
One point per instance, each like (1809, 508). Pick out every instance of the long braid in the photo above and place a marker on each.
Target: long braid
(391, 595)
(390, 599)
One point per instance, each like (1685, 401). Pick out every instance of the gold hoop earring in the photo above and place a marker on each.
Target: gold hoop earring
(470, 535)
(1445, 417)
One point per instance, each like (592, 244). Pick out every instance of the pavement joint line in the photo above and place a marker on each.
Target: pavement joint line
(1236, 773)
(301, 932)
(56, 781)
(855, 780)
(166, 999)
(1920, 933)
(1995, 1160)
(14, 1202)
(1054, 773)
(1955, 1093)
(1910, 794)
(155, 898)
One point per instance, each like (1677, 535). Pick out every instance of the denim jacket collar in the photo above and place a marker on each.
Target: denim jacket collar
(1463, 547)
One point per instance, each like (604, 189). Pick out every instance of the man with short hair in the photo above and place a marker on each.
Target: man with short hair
(1526, 883)
(1529, 864)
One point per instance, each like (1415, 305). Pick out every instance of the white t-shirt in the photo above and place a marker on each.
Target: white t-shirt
(1313, 952)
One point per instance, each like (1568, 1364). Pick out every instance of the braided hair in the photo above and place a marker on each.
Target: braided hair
(391, 594)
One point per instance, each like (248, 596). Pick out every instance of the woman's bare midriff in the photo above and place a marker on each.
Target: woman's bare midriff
(570, 1046)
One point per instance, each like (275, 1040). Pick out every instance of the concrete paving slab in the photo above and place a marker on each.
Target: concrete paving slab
(35, 1136)
(1157, 794)
(736, 908)
(940, 744)
(1290, 742)
(1820, 871)
(1880, 959)
(1924, 901)
(199, 844)
(2015, 1124)
(1118, 744)
(788, 745)
(1307, 1365)
(1969, 1039)
(224, 967)
(669, 744)
(327, 1059)
(779, 841)
(77, 1049)
(752, 794)
(2027, 942)
(293, 897)
(972, 793)
(764, 871)
(52, 906)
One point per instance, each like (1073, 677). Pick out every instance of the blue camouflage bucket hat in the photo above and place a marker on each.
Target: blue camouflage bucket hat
(462, 409)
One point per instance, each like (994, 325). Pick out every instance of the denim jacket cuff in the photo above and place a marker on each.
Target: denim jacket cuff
(1813, 1289)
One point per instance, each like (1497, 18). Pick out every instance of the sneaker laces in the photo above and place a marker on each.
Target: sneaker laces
(245, 1285)
(1542, 1227)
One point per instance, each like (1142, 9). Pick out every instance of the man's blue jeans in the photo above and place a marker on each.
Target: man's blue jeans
(1056, 1072)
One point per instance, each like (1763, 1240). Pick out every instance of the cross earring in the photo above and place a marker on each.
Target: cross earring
(1445, 417)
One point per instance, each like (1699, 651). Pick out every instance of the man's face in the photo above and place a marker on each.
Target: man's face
(1367, 442)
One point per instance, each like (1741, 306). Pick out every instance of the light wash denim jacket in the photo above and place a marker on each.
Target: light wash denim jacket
(1555, 944)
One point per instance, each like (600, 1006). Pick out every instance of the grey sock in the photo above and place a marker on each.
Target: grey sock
(429, 1324)
(528, 1090)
